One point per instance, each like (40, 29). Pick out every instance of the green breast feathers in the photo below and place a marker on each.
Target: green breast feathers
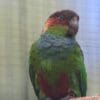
(54, 54)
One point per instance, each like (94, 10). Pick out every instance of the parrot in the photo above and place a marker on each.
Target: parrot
(56, 61)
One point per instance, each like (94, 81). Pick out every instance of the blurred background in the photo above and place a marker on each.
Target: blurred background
(21, 22)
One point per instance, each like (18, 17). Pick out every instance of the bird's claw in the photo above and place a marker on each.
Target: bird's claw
(67, 97)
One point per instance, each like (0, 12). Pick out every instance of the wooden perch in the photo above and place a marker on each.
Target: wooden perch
(87, 98)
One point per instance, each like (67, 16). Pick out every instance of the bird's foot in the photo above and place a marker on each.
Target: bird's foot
(67, 97)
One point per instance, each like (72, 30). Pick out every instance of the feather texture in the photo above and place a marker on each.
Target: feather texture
(54, 56)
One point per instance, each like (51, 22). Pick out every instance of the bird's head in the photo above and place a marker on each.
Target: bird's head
(66, 21)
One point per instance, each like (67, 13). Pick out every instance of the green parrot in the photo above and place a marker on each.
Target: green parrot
(56, 63)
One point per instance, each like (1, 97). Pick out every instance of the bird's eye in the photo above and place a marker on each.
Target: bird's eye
(61, 17)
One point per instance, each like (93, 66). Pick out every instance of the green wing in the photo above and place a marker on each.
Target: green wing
(81, 74)
(33, 66)
(82, 82)
(82, 79)
(32, 72)
(78, 76)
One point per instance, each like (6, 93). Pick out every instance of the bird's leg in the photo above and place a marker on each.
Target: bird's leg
(70, 95)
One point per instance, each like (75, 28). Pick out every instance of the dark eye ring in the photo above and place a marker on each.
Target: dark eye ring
(61, 17)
